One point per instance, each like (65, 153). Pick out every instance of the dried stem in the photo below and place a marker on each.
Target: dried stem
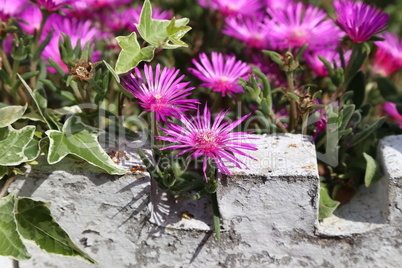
(6, 185)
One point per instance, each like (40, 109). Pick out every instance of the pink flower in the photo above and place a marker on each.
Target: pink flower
(235, 7)
(273, 5)
(162, 92)
(298, 25)
(221, 74)
(52, 5)
(209, 140)
(388, 57)
(10, 8)
(390, 109)
(32, 17)
(248, 30)
(76, 29)
(331, 55)
(360, 21)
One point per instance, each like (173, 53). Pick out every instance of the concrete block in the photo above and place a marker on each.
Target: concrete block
(390, 155)
(278, 194)
(269, 217)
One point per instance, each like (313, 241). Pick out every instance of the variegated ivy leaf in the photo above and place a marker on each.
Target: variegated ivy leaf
(35, 223)
(17, 146)
(10, 242)
(131, 53)
(80, 140)
(160, 32)
(3, 171)
(10, 114)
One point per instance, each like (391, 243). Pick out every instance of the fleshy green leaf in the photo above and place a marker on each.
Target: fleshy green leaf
(159, 32)
(35, 223)
(10, 241)
(327, 204)
(372, 170)
(365, 133)
(80, 140)
(14, 144)
(110, 68)
(358, 86)
(388, 90)
(131, 54)
(10, 114)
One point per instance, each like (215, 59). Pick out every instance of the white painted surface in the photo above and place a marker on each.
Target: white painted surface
(108, 217)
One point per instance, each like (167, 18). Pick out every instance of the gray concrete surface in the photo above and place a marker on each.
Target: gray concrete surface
(269, 219)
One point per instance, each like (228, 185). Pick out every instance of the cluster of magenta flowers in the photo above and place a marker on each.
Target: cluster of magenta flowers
(163, 93)
(87, 21)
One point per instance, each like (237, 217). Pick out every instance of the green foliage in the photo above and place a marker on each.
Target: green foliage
(327, 204)
(16, 146)
(372, 173)
(80, 140)
(36, 224)
(159, 32)
(10, 241)
(10, 114)
(163, 34)
(27, 219)
(131, 54)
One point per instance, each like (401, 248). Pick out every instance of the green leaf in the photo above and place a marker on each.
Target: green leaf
(359, 137)
(327, 204)
(35, 223)
(3, 171)
(372, 174)
(39, 97)
(32, 150)
(131, 54)
(10, 114)
(358, 86)
(110, 68)
(175, 33)
(80, 140)
(159, 32)
(10, 241)
(388, 90)
(14, 144)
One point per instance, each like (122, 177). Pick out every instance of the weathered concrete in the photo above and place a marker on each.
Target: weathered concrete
(280, 188)
(390, 155)
(108, 216)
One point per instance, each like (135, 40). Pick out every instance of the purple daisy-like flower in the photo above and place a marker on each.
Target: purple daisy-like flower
(298, 25)
(330, 55)
(390, 109)
(10, 8)
(221, 73)
(31, 18)
(207, 4)
(248, 30)
(277, 4)
(161, 92)
(52, 5)
(388, 57)
(237, 7)
(359, 20)
(209, 139)
(75, 28)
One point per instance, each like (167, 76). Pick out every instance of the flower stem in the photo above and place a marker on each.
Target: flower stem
(216, 216)
(293, 110)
